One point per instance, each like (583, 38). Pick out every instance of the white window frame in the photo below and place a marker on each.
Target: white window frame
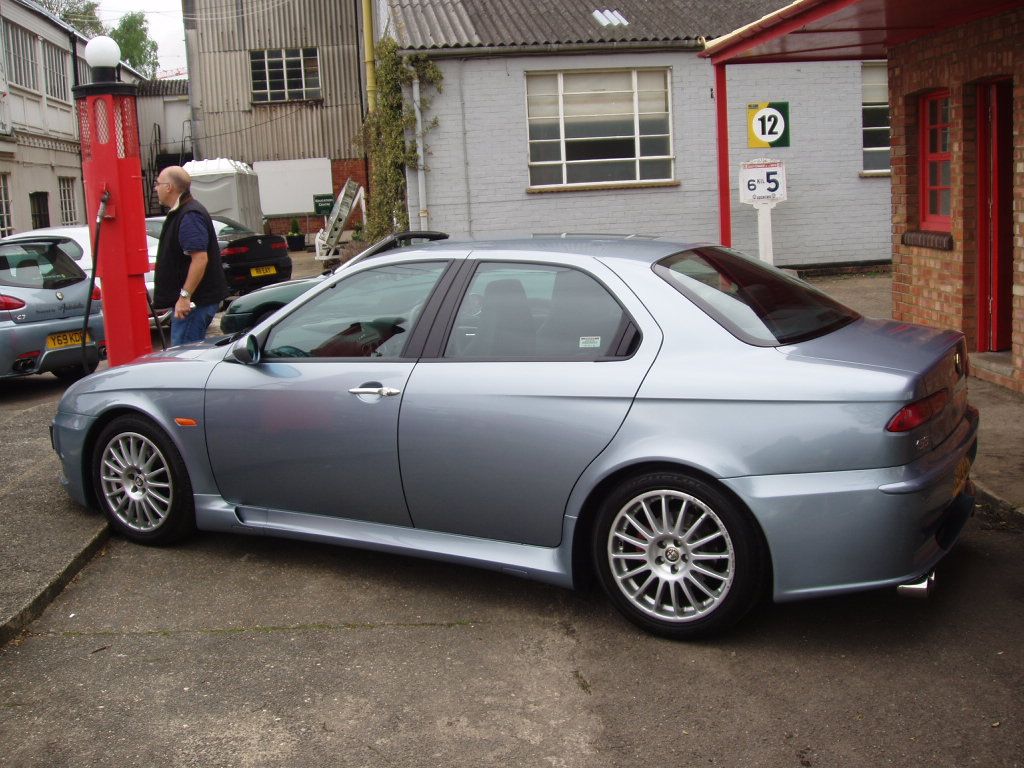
(21, 58)
(307, 91)
(637, 158)
(55, 68)
(6, 214)
(68, 206)
(875, 101)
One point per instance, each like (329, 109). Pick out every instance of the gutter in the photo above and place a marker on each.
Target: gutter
(547, 49)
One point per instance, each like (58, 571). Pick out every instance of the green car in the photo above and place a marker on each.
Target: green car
(253, 308)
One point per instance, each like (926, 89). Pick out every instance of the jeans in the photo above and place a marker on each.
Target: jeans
(193, 326)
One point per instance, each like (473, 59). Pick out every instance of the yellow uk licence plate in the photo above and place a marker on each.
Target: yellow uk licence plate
(963, 469)
(260, 271)
(66, 339)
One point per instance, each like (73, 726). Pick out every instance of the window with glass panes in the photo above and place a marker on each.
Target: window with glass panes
(285, 74)
(20, 58)
(599, 127)
(55, 67)
(6, 228)
(68, 209)
(936, 169)
(875, 116)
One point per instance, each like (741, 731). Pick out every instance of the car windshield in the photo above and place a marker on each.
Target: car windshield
(153, 227)
(756, 303)
(37, 265)
(225, 226)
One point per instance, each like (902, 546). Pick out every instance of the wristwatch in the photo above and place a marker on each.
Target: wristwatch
(185, 294)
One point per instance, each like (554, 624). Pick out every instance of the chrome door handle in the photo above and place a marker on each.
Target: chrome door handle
(379, 391)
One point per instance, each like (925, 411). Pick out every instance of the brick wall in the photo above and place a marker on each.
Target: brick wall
(341, 170)
(940, 287)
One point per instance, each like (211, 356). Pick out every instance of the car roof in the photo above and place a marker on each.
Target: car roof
(71, 231)
(646, 250)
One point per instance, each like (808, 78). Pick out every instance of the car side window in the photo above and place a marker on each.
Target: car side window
(369, 314)
(535, 311)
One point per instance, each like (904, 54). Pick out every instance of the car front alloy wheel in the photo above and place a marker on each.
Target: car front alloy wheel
(141, 482)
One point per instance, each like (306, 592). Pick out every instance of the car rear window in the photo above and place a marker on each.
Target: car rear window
(37, 265)
(756, 303)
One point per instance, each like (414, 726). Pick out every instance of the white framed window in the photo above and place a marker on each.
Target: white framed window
(285, 74)
(20, 48)
(84, 71)
(591, 127)
(6, 227)
(875, 116)
(68, 209)
(55, 68)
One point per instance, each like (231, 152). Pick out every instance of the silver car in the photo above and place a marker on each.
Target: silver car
(76, 242)
(43, 296)
(694, 428)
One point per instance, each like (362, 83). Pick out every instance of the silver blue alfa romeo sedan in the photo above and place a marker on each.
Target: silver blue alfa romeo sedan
(691, 426)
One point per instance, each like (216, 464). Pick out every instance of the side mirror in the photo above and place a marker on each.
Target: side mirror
(247, 353)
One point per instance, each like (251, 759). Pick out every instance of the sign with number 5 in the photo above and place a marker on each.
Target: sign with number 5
(762, 182)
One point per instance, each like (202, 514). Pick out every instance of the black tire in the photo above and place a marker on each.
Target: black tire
(654, 581)
(71, 373)
(141, 482)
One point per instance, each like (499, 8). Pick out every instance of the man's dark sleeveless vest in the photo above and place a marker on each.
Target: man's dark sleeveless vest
(172, 263)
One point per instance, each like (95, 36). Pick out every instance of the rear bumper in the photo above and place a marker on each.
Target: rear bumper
(23, 346)
(836, 532)
(240, 277)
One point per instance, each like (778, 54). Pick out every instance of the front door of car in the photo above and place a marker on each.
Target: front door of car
(532, 382)
(313, 427)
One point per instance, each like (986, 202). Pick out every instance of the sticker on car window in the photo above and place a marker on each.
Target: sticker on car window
(590, 342)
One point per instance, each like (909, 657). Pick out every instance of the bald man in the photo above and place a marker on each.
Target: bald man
(189, 275)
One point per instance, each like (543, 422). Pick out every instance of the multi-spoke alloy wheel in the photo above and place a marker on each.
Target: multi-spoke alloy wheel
(676, 556)
(136, 482)
(141, 482)
(671, 555)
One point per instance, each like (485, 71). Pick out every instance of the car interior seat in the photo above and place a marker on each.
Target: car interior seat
(583, 320)
(29, 272)
(506, 325)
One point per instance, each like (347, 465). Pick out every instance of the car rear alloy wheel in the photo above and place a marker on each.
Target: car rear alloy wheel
(676, 556)
(141, 482)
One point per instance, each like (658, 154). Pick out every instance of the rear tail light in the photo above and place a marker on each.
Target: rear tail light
(282, 246)
(234, 250)
(96, 293)
(10, 302)
(919, 412)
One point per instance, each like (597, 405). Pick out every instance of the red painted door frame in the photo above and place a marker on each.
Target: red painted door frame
(995, 223)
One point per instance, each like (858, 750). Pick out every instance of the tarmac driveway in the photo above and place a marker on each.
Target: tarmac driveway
(242, 651)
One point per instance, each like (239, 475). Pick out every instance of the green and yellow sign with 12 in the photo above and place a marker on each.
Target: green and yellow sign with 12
(768, 124)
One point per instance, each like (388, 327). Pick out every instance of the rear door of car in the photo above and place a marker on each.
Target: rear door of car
(523, 386)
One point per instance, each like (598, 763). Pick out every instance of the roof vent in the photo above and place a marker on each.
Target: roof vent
(608, 18)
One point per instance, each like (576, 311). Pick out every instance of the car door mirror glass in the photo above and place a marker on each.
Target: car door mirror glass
(247, 350)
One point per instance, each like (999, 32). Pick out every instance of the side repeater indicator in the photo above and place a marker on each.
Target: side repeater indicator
(186, 422)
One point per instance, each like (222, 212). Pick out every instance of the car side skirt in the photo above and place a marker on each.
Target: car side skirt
(551, 565)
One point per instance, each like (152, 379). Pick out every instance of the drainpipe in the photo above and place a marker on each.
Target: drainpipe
(368, 59)
(724, 182)
(421, 166)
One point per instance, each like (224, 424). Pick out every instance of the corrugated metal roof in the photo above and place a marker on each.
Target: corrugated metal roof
(438, 24)
(163, 88)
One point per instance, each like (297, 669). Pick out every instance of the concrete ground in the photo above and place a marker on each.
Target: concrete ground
(240, 651)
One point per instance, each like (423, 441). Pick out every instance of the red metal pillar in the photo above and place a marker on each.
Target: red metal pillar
(724, 181)
(108, 125)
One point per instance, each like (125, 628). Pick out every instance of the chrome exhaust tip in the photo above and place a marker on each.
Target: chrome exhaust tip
(919, 589)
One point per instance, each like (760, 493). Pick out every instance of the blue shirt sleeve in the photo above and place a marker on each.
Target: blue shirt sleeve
(192, 234)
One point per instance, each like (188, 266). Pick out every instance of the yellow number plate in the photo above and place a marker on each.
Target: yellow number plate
(62, 340)
(258, 271)
(963, 469)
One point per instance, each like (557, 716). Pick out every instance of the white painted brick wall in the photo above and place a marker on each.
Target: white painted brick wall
(832, 214)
